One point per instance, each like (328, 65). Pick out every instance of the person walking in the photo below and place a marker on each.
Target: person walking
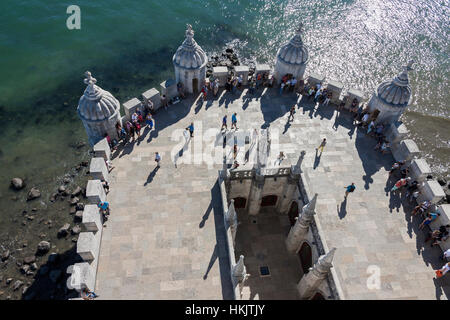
(157, 159)
(322, 145)
(224, 123)
(149, 121)
(234, 121)
(349, 189)
(191, 129)
(291, 113)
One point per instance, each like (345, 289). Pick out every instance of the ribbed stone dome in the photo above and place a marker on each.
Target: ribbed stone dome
(96, 104)
(190, 55)
(396, 92)
(294, 52)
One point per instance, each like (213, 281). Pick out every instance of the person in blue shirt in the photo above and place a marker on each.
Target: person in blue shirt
(224, 123)
(350, 189)
(191, 129)
(234, 121)
(104, 208)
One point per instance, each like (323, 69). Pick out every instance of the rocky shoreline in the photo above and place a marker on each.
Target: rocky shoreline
(40, 243)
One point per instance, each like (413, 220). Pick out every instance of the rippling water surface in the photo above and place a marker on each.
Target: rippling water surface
(128, 46)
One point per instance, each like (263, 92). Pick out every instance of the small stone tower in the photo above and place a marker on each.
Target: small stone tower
(292, 57)
(392, 97)
(99, 111)
(190, 63)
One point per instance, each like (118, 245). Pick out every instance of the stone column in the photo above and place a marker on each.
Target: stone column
(311, 281)
(299, 230)
(255, 197)
(239, 272)
(289, 188)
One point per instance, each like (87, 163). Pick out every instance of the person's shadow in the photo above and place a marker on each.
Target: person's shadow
(342, 211)
(317, 159)
(287, 126)
(151, 176)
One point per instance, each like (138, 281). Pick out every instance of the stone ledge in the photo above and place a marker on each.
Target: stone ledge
(95, 192)
(335, 87)
(130, 107)
(92, 218)
(406, 151)
(154, 96)
(169, 88)
(431, 190)
(419, 170)
(102, 149)
(98, 169)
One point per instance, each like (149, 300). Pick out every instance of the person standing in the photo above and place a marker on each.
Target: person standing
(204, 92)
(216, 87)
(224, 123)
(149, 121)
(322, 145)
(291, 113)
(191, 129)
(445, 255)
(349, 189)
(164, 102)
(281, 88)
(157, 159)
(234, 121)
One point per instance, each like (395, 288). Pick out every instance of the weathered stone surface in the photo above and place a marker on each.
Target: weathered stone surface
(76, 192)
(76, 229)
(34, 193)
(5, 255)
(17, 183)
(17, 285)
(74, 201)
(29, 259)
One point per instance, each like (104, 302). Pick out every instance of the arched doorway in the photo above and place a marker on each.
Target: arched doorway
(305, 255)
(195, 85)
(318, 296)
(240, 203)
(269, 201)
(293, 212)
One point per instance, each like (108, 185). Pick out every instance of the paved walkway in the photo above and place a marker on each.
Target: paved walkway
(164, 239)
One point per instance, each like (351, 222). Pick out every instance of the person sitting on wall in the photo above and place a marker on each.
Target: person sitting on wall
(293, 84)
(112, 143)
(422, 207)
(431, 216)
(438, 236)
(104, 209)
(88, 295)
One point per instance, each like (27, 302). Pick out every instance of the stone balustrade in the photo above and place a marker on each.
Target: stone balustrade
(102, 149)
(130, 107)
(242, 70)
(335, 87)
(169, 88)
(95, 192)
(431, 190)
(221, 73)
(419, 170)
(154, 96)
(98, 169)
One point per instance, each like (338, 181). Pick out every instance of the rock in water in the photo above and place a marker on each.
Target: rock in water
(5, 255)
(43, 247)
(33, 194)
(17, 183)
(76, 192)
(29, 260)
(17, 285)
(64, 230)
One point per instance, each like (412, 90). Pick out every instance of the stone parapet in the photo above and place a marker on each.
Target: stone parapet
(315, 78)
(353, 94)
(431, 190)
(98, 169)
(335, 87)
(221, 73)
(242, 70)
(154, 96)
(92, 218)
(396, 132)
(419, 170)
(86, 246)
(130, 107)
(83, 275)
(102, 149)
(406, 151)
(169, 88)
(263, 69)
(95, 192)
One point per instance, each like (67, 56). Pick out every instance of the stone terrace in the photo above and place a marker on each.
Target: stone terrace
(164, 238)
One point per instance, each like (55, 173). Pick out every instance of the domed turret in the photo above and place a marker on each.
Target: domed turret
(98, 110)
(292, 57)
(392, 97)
(189, 62)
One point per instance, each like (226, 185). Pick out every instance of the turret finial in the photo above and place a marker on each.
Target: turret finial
(409, 65)
(300, 28)
(189, 31)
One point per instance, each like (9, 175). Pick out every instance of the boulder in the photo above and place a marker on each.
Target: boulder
(5, 255)
(62, 189)
(17, 184)
(72, 210)
(33, 194)
(76, 229)
(43, 247)
(74, 201)
(29, 260)
(64, 230)
(80, 206)
(17, 285)
(76, 192)
(8, 281)
(25, 268)
(34, 266)
(78, 216)
(66, 180)
(55, 275)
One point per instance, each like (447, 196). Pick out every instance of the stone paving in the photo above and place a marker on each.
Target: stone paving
(164, 238)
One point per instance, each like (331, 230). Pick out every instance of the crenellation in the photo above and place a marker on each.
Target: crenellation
(98, 169)
(130, 107)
